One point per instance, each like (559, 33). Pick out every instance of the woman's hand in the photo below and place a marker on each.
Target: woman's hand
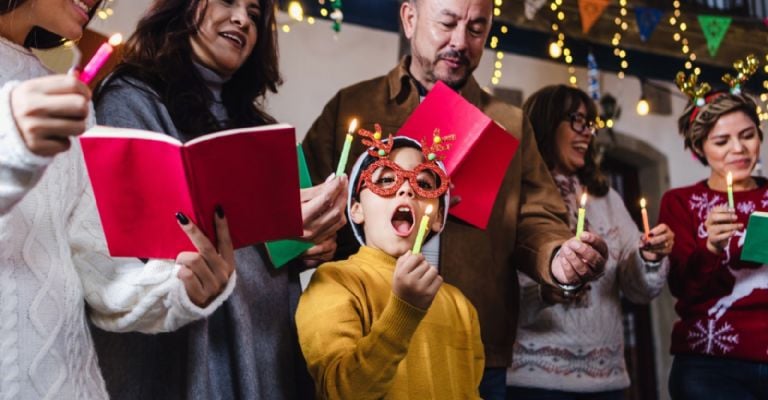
(323, 211)
(205, 274)
(50, 110)
(659, 243)
(721, 224)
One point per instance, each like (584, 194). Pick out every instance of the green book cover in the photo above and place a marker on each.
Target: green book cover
(282, 251)
(756, 240)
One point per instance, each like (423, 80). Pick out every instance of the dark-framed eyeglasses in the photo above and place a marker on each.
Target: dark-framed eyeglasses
(581, 125)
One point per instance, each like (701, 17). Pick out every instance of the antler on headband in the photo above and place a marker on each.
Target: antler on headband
(744, 70)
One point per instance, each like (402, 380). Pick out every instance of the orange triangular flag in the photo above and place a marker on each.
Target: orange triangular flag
(590, 11)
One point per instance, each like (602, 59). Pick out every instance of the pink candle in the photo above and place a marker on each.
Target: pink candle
(102, 55)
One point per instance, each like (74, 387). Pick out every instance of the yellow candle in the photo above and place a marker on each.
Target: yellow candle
(582, 214)
(347, 146)
(423, 228)
(644, 213)
(729, 181)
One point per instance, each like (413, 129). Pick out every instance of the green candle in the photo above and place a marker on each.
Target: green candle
(423, 228)
(729, 181)
(582, 214)
(347, 146)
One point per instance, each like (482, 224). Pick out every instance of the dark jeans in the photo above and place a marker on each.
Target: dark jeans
(714, 378)
(524, 393)
(494, 384)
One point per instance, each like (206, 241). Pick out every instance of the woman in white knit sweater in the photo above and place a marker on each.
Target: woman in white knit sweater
(53, 256)
(570, 344)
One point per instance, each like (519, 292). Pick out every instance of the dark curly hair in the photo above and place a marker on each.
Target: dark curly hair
(718, 104)
(39, 38)
(160, 55)
(546, 109)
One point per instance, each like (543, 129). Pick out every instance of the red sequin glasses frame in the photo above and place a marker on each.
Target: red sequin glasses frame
(400, 176)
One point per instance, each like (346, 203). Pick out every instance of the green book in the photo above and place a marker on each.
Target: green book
(756, 241)
(282, 251)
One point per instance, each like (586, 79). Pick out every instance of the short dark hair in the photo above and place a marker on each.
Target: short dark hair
(39, 38)
(546, 109)
(719, 103)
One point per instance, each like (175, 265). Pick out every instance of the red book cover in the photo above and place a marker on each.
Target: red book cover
(478, 157)
(141, 179)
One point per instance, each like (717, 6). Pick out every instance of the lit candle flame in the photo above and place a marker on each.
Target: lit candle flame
(583, 200)
(642, 202)
(428, 211)
(115, 39)
(729, 178)
(352, 126)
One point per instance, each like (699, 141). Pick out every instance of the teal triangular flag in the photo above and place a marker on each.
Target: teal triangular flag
(714, 27)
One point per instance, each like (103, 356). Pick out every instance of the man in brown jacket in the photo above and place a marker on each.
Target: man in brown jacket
(526, 229)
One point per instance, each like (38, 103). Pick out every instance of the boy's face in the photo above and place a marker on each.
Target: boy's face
(391, 223)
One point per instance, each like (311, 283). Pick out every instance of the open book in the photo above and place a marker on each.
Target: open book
(756, 241)
(141, 179)
(478, 158)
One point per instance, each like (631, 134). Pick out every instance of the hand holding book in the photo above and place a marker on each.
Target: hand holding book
(205, 274)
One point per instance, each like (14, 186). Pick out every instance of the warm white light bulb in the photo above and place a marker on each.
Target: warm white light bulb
(555, 51)
(643, 108)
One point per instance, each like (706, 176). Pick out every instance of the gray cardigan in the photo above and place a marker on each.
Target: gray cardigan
(248, 348)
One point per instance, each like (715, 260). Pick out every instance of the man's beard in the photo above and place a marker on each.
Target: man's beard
(429, 68)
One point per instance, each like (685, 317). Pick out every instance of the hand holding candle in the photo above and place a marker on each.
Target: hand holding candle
(422, 233)
(646, 225)
(729, 181)
(347, 147)
(582, 215)
(100, 58)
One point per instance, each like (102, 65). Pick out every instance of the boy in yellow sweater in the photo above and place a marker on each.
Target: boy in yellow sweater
(382, 324)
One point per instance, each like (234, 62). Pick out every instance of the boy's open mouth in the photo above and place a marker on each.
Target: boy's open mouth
(402, 221)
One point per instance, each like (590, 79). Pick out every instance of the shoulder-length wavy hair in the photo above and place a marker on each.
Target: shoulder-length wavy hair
(160, 55)
(39, 38)
(546, 109)
(718, 104)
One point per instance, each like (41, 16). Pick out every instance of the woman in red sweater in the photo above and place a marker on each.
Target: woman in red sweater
(720, 342)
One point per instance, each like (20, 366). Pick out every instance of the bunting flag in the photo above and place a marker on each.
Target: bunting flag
(647, 19)
(714, 27)
(532, 7)
(590, 11)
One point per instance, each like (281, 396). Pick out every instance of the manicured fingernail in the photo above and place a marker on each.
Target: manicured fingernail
(182, 218)
(219, 211)
(331, 176)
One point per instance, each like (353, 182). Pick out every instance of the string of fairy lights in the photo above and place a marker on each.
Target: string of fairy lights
(106, 10)
(558, 48)
(494, 43)
(677, 22)
(621, 27)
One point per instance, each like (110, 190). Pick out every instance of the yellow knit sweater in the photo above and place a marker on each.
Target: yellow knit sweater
(362, 342)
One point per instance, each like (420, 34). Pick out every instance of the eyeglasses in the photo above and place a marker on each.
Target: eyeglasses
(385, 178)
(581, 125)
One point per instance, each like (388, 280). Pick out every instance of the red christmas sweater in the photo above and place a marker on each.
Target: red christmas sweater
(722, 301)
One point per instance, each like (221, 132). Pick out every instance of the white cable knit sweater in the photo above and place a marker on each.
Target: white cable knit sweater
(580, 347)
(54, 261)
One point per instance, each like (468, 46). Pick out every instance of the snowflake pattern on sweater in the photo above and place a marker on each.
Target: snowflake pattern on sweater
(722, 301)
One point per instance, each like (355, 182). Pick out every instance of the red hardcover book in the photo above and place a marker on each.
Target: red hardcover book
(479, 156)
(141, 179)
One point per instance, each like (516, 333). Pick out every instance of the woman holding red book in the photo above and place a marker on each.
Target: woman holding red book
(54, 264)
(720, 342)
(190, 68)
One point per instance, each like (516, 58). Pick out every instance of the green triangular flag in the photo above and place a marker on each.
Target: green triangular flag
(282, 251)
(714, 27)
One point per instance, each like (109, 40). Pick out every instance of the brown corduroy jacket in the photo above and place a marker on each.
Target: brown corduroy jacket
(526, 225)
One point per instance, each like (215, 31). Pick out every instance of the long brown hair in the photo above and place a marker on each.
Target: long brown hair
(39, 38)
(546, 109)
(160, 55)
